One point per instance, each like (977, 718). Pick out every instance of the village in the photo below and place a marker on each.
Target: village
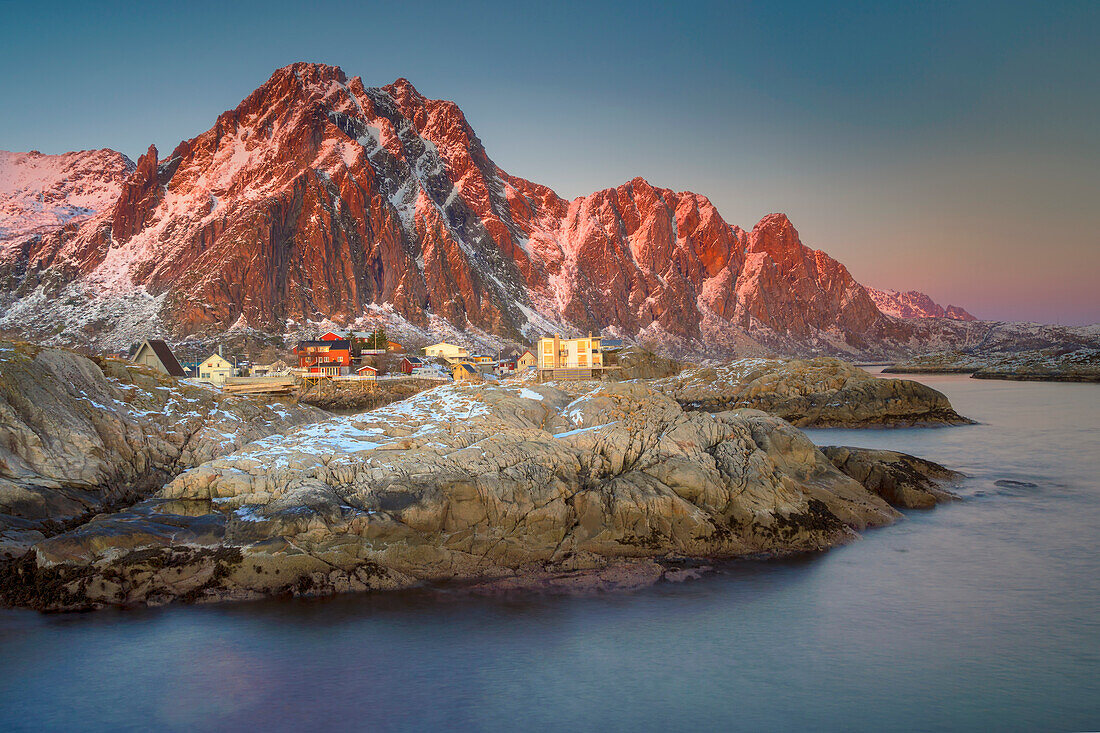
(366, 358)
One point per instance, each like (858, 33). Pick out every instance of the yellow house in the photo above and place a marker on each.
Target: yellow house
(444, 350)
(559, 353)
(466, 372)
(215, 370)
(526, 361)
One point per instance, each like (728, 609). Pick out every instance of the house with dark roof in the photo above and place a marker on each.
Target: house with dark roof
(466, 372)
(331, 358)
(155, 353)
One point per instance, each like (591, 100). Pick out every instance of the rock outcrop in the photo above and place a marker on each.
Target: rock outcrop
(488, 484)
(80, 436)
(901, 479)
(1037, 365)
(821, 392)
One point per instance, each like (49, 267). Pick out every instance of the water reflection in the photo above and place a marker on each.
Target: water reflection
(979, 614)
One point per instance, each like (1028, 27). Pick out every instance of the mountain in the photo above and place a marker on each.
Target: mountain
(320, 200)
(914, 304)
(39, 192)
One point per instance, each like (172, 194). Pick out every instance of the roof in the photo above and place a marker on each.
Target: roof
(340, 344)
(367, 366)
(219, 357)
(468, 367)
(611, 343)
(414, 360)
(167, 358)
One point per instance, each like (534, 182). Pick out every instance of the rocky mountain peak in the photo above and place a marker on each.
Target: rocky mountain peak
(320, 199)
(40, 192)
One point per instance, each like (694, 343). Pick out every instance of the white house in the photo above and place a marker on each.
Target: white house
(444, 350)
(215, 370)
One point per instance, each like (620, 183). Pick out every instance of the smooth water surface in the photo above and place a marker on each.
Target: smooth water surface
(979, 615)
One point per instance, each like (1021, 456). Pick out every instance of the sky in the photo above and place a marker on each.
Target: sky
(952, 148)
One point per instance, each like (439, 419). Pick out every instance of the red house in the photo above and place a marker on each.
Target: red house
(411, 362)
(331, 357)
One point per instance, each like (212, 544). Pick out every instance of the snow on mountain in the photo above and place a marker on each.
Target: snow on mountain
(914, 304)
(39, 192)
(321, 200)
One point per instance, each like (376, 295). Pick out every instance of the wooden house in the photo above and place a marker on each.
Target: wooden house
(330, 358)
(444, 350)
(526, 360)
(215, 370)
(155, 353)
(465, 371)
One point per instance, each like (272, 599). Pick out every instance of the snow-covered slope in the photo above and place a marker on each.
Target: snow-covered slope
(318, 199)
(914, 304)
(39, 192)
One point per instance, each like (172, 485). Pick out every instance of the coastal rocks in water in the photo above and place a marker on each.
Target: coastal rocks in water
(82, 436)
(489, 484)
(1039, 365)
(818, 392)
(901, 479)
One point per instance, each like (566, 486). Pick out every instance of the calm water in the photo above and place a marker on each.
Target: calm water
(980, 615)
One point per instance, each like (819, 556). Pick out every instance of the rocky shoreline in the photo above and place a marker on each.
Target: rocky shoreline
(85, 436)
(821, 392)
(493, 487)
(1038, 365)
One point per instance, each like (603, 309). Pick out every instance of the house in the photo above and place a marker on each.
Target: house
(444, 350)
(559, 353)
(481, 359)
(215, 370)
(156, 354)
(328, 357)
(578, 358)
(411, 363)
(526, 360)
(367, 372)
(333, 336)
(464, 371)
(394, 347)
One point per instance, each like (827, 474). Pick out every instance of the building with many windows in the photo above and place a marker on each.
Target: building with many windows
(577, 358)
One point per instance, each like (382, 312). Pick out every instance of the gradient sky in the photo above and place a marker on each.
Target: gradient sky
(950, 148)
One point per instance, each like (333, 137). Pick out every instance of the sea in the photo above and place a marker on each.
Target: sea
(979, 615)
